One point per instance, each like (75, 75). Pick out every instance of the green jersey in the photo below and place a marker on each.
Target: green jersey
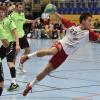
(2, 32)
(19, 19)
(9, 25)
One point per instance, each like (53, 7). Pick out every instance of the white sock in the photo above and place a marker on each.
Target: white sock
(34, 82)
(14, 80)
(32, 54)
(20, 64)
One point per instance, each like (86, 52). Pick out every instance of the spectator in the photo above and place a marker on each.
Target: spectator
(57, 30)
(39, 29)
(46, 18)
(96, 24)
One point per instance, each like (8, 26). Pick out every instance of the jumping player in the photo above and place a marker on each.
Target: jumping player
(75, 37)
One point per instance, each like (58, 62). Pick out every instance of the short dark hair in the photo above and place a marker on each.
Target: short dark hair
(19, 3)
(3, 8)
(84, 16)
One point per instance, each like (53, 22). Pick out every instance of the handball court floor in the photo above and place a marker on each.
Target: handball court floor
(78, 78)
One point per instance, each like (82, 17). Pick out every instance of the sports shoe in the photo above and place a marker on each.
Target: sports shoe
(13, 87)
(27, 89)
(20, 69)
(23, 59)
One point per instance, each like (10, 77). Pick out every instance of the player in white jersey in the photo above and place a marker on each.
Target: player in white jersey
(75, 37)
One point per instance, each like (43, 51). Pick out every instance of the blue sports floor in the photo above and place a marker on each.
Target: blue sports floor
(78, 78)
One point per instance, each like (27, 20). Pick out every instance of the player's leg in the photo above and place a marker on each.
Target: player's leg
(24, 45)
(2, 55)
(54, 63)
(1, 87)
(1, 79)
(11, 55)
(39, 53)
(43, 52)
(38, 78)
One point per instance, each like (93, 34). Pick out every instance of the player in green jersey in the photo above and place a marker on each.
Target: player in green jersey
(19, 18)
(10, 52)
(5, 43)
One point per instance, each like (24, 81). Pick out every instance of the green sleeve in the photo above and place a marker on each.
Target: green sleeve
(2, 33)
(12, 25)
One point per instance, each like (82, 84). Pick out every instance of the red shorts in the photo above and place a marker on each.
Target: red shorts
(60, 57)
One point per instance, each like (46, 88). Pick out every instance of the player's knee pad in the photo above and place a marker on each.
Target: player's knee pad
(11, 52)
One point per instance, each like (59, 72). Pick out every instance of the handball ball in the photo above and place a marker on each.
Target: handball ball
(50, 8)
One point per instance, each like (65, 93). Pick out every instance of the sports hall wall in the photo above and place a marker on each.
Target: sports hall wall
(73, 8)
(74, 17)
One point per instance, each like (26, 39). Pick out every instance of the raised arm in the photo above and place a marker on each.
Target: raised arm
(32, 21)
(67, 23)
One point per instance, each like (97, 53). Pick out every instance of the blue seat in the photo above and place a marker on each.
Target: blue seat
(78, 4)
(95, 4)
(79, 10)
(65, 10)
(90, 4)
(91, 10)
(97, 10)
(68, 11)
(85, 9)
(92, 0)
(71, 5)
(75, 10)
(59, 10)
(83, 5)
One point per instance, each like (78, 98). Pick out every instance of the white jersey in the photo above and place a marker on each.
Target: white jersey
(74, 38)
(45, 16)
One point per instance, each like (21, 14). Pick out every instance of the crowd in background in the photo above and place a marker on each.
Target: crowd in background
(44, 27)
(96, 24)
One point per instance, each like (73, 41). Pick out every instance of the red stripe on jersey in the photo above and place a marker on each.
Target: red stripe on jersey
(93, 36)
(67, 23)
